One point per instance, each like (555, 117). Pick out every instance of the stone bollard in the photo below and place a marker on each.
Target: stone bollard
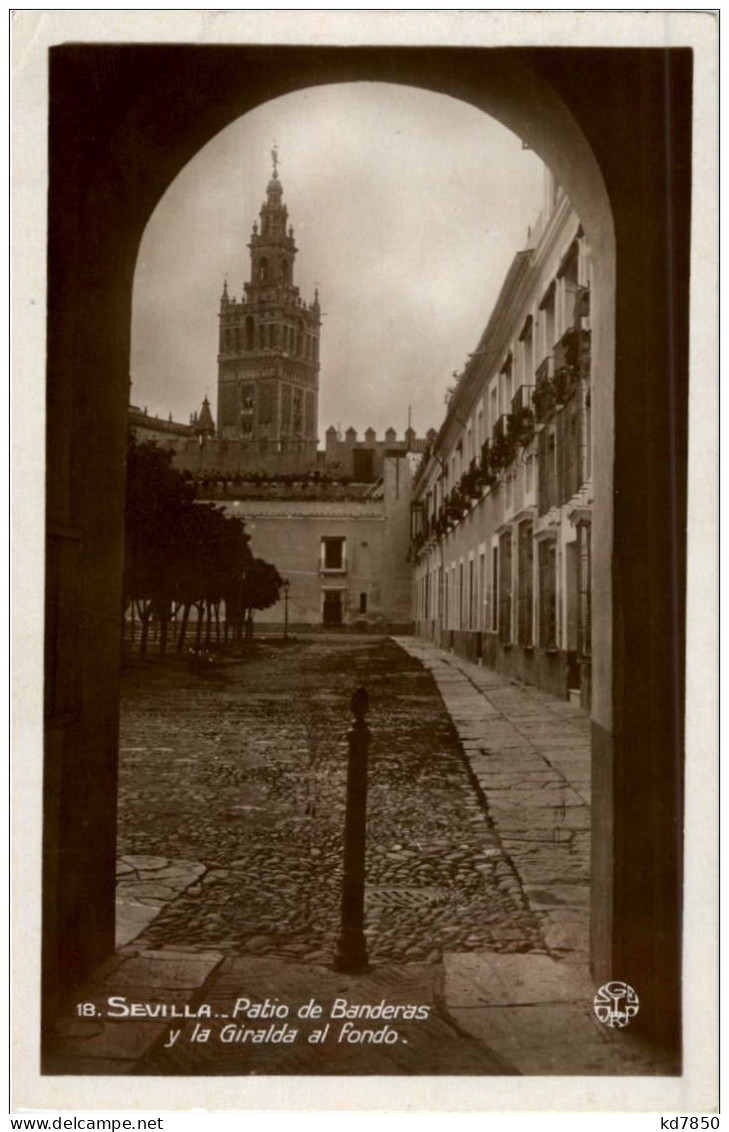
(351, 952)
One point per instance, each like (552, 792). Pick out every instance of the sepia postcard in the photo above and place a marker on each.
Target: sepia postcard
(364, 393)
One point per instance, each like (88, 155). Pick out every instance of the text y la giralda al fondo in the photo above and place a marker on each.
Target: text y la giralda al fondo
(270, 1021)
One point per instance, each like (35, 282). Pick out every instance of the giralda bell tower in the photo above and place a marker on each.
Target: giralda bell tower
(268, 362)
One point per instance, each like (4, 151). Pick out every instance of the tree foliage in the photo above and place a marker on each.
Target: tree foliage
(181, 554)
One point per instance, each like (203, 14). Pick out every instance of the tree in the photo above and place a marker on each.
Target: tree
(157, 498)
(260, 589)
(178, 553)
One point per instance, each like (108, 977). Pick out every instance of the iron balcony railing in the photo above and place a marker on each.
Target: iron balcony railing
(501, 428)
(544, 371)
(522, 400)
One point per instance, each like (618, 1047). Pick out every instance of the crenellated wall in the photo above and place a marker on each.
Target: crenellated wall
(363, 459)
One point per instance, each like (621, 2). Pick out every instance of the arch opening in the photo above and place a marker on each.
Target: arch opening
(530, 94)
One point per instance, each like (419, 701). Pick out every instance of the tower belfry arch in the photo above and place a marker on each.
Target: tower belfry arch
(268, 356)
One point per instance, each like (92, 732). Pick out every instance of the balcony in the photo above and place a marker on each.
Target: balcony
(544, 399)
(521, 421)
(545, 371)
(572, 353)
(522, 400)
(503, 444)
(501, 428)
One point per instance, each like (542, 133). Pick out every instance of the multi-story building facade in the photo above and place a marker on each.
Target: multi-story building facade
(268, 361)
(343, 548)
(502, 499)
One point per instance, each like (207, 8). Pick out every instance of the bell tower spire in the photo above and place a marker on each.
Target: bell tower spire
(268, 366)
(272, 245)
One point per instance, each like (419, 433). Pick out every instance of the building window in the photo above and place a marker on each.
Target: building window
(482, 623)
(547, 306)
(548, 594)
(332, 550)
(548, 479)
(505, 588)
(525, 567)
(529, 475)
(363, 603)
(527, 353)
(584, 608)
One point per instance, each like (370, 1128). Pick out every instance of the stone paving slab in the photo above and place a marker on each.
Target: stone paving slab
(114, 1035)
(429, 1046)
(144, 886)
(530, 754)
(536, 1012)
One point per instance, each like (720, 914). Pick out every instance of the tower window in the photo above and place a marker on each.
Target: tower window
(363, 603)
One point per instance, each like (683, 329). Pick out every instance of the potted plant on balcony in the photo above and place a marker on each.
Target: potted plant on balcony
(544, 400)
(471, 482)
(521, 427)
(503, 448)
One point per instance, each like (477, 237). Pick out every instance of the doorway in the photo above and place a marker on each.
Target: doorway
(333, 607)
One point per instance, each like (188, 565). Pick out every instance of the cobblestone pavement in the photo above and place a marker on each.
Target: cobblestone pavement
(242, 772)
(231, 813)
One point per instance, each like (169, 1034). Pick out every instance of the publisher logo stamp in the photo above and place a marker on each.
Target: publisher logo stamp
(616, 1004)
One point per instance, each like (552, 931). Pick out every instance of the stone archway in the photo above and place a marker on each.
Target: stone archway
(123, 122)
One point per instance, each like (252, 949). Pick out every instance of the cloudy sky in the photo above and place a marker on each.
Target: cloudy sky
(407, 206)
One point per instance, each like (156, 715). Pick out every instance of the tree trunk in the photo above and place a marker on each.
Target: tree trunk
(183, 627)
(164, 622)
(198, 628)
(249, 626)
(145, 634)
(208, 623)
(217, 623)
